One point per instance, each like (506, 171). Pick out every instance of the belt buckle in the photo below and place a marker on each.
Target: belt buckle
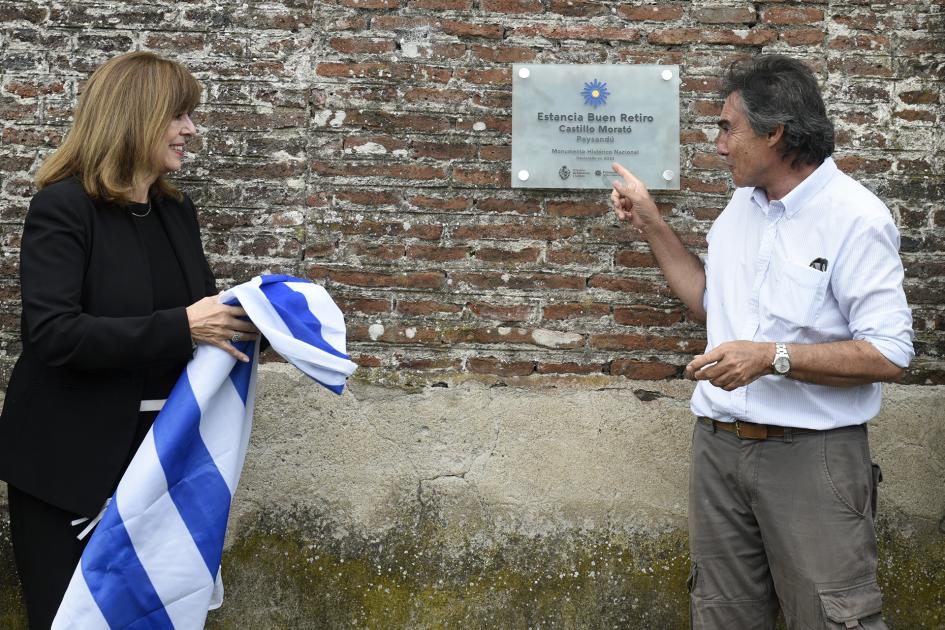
(750, 431)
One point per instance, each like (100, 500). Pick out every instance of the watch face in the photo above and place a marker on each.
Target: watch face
(782, 365)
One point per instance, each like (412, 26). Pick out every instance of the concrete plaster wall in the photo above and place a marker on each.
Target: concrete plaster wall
(512, 502)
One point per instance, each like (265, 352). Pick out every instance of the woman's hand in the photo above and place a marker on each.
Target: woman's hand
(218, 324)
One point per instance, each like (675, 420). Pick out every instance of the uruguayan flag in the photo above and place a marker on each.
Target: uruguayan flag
(154, 559)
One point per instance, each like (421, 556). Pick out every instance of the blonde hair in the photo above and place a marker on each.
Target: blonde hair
(120, 120)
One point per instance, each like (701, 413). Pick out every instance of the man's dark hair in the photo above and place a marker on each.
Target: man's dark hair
(777, 90)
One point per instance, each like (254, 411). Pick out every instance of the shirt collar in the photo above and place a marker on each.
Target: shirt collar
(803, 192)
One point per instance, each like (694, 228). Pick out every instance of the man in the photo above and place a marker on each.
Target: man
(802, 296)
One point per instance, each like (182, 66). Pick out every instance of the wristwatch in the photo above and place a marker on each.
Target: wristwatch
(782, 360)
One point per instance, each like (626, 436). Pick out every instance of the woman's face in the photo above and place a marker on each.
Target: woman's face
(171, 152)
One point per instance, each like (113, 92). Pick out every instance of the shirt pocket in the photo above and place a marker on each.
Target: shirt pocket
(797, 293)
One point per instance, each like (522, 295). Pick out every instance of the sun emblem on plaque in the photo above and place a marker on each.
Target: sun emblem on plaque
(564, 172)
(595, 93)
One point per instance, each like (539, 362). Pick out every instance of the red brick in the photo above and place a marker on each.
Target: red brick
(484, 76)
(441, 5)
(520, 206)
(363, 360)
(511, 6)
(646, 316)
(492, 254)
(624, 284)
(362, 305)
(791, 15)
(803, 37)
(650, 12)
(575, 310)
(879, 66)
(444, 151)
(500, 312)
(860, 43)
(578, 8)
(577, 208)
(426, 307)
(439, 254)
(495, 153)
(587, 33)
(436, 203)
(529, 281)
(424, 231)
(676, 36)
(503, 54)
(387, 71)
(378, 252)
(373, 198)
(570, 367)
(725, 15)
(385, 121)
(351, 143)
(500, 124)
(416, 280)
(395, 171)
(644, 370)
(572, 256)
(915, 114)
(417, 363)
(469, 176)
(920, 97)
(492, 365)
(632, 258)
(712, 85)
(711, 161)
(370, 4)
(646, 343)
(394, 334)
(361, 45)
(468, 29)
(436, 95)
(513, 231)
(705, 186)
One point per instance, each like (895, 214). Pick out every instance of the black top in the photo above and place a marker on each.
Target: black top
(167, 288)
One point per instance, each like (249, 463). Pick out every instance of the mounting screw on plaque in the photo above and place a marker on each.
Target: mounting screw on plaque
(668, 174)
(523, 175)
(523, 72)
(667, 75)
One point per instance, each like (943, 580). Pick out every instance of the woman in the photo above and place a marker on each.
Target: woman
(114, 285)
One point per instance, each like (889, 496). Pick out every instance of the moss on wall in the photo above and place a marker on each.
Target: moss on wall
(294, 570)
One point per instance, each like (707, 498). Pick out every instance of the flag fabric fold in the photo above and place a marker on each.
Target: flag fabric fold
(153, 561)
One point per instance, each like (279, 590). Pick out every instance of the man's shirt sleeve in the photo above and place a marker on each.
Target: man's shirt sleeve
(867, 284)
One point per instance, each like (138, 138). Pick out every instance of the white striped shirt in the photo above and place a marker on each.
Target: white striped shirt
(760, 286)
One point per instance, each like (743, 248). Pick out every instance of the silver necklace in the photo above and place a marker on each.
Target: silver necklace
(146, 212)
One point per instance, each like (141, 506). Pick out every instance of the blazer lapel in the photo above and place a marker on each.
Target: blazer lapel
(186, 246)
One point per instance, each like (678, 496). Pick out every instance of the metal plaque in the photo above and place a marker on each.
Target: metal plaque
(571, 122)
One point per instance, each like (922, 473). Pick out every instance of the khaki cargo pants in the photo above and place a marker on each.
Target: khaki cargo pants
(784, 521)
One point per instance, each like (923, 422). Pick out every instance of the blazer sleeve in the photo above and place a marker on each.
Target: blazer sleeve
(54, 254)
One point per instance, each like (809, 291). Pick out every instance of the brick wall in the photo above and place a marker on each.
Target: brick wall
(366, 144)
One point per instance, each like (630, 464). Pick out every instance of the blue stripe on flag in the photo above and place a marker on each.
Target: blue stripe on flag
(292, 307)
(117, 580)
(243, 372)
(193, 480)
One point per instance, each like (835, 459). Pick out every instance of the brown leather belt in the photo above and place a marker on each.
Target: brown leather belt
(752, 431)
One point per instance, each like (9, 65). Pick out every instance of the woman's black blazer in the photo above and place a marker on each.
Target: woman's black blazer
(89, 329)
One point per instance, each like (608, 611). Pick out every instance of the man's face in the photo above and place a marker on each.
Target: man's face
(747, 154)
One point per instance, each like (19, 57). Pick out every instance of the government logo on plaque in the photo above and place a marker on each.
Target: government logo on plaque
(571, 122)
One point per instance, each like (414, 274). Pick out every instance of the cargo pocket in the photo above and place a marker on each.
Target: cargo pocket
(693, 576)
(851, 607)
